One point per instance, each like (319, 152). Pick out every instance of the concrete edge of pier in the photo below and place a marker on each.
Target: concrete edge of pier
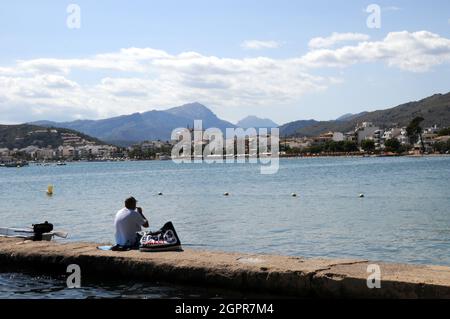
(262, 274)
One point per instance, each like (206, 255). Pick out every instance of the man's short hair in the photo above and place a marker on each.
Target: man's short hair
(130, 202)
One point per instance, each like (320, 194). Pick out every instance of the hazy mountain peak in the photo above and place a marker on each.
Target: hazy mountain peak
(254, 121)
(191, 109)
(349, 116)
(344, 117)
(197, 111)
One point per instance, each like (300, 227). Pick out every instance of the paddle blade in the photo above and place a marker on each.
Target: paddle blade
(61, 234)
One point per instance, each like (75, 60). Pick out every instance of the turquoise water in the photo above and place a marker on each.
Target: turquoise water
(404, 217)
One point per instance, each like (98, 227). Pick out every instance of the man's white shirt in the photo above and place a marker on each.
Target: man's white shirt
(127, 223)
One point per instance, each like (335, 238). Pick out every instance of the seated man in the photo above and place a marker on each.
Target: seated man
(128, 222)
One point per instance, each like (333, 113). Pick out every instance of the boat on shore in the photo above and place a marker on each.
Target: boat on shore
(15, 164)
(164, 158)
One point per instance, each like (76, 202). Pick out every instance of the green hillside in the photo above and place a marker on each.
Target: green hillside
(23, 135)
(434, 109)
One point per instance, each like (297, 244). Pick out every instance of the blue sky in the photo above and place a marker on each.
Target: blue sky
(237, 57)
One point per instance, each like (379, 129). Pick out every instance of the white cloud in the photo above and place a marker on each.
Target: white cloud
(138, 79)
(259, 45)
(126, 87)
(336, 38)
(36, 87)
(416, 52)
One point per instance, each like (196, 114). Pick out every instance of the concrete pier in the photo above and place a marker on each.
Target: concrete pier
(266, 274)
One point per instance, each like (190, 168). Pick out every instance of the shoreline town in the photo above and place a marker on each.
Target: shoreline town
(366, 139)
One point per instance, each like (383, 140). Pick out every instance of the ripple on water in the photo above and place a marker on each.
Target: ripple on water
(404, 217)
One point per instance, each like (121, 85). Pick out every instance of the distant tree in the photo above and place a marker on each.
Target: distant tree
(136, 153)
(368, 145)
(414, 131)
(442, 147)
(393, 145)
(315, 149)
(332, 147)
(444, 132)
(350, 146)
(285, 148)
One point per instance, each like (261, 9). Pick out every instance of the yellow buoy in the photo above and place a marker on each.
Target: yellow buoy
(50, 190)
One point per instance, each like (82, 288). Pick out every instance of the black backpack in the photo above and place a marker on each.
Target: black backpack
(40, 229)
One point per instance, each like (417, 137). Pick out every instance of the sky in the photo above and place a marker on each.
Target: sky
(285, 60)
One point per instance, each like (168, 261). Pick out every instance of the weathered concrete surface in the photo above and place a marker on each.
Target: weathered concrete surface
(281, 275)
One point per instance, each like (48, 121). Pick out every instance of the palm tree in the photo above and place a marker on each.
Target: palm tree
(414, 131)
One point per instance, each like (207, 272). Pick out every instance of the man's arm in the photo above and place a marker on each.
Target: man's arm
(139, 210)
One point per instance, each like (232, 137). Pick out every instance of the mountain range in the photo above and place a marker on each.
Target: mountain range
(158, 125)
(137, 127)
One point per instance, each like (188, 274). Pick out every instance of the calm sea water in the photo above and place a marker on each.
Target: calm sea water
(404, 217)
(33, 286)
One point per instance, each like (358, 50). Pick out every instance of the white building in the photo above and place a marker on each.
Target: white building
(338, 136)
(66, 151)
(45, 154)
(403, 137)
(30, 150)
(378, 138)
(365, 131)
(431, 130)
(153, 145)
(297, 143)
(350, 136)
(70, 139)
(331, 136)
(96, 150)
(392, 133)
